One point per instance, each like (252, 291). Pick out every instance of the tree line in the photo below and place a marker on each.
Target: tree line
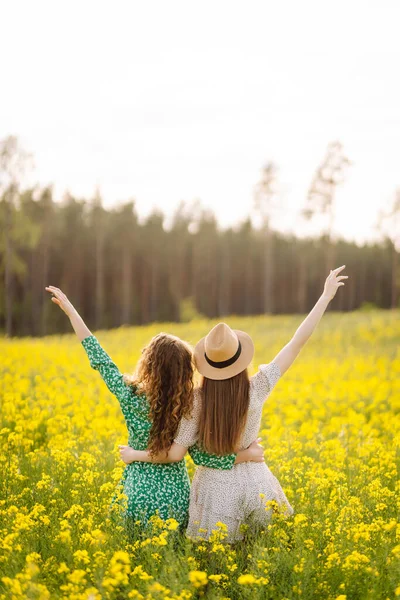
(117, 269)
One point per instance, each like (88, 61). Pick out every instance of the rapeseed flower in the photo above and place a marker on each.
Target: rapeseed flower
(198, 578)
(332, 427)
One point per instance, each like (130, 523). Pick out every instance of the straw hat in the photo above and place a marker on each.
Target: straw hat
(223, 353)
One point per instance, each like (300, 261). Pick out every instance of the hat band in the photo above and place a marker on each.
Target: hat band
(224, 363)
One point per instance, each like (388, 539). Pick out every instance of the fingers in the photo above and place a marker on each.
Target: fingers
(335, 271)
(53, 291)
(342, 277)
(56, 291)
(53, 287)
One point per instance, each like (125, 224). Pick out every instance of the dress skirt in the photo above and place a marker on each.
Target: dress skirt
(233, 497)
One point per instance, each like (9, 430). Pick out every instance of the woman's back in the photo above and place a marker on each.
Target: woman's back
(235, 496)
(144, 483)
(261, 385)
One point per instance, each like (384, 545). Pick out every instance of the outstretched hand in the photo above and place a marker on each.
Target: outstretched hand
(333, 282)
(61, 300)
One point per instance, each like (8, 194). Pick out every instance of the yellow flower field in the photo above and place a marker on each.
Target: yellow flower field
(331, 430)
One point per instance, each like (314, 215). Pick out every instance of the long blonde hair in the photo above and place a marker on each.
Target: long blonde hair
(165, 374)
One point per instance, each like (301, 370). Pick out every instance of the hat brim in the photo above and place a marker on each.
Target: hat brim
(237, 367)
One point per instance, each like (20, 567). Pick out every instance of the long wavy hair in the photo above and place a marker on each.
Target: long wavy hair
(165, 375)
(224, 408)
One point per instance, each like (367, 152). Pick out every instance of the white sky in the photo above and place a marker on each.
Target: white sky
(167, 100)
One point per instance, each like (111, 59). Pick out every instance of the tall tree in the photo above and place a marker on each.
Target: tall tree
(245, 269)
(48, 210)
(155, 295)
(98, 222)
(395, 216)
(180, 254)
(321, 195)
(70, 245)
(389, 225)
(125, 237)
(302, 257)
(205, 264)
(224, 262)
(14, 162)
(38, 206)
(302, 275)
(265, 205)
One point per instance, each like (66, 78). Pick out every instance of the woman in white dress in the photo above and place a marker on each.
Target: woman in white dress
(226, 418)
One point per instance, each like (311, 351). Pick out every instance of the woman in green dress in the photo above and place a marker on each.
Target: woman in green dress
(153, 402)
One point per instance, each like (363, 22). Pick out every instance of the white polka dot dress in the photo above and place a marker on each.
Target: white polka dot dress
(236, 496)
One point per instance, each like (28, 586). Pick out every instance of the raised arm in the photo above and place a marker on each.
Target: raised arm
(285, 358)
(98, 357)
(77, 322)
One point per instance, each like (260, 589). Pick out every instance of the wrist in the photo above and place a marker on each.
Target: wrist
(131, 456)
(325, 298)
(243, 456)
(72, 315)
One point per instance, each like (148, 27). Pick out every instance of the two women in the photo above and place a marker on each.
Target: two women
(153, 404)
(227, 414)
(223, 421)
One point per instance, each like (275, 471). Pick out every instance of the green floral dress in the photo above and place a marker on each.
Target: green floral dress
(150, 488)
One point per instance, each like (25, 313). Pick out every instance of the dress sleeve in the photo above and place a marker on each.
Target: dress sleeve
(188, 430)
(108, 370)
(264, 380)
(214, 461)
